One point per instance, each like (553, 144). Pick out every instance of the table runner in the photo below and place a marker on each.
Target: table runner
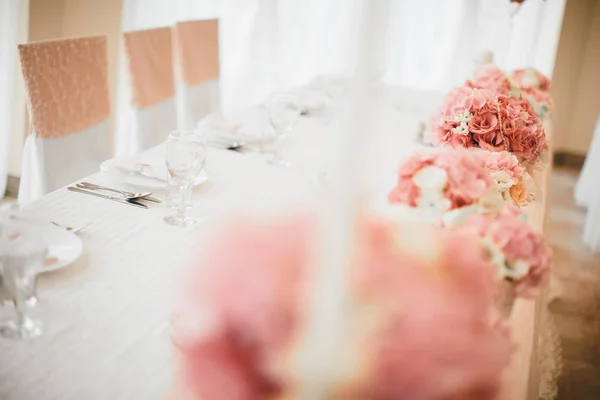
(108, 314)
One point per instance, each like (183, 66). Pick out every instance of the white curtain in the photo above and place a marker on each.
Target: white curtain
(269, 45)
(9, 19)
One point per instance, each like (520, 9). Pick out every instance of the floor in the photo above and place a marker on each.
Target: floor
(577, 310)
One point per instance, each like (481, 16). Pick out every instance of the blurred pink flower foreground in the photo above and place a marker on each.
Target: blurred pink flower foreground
(428, 294)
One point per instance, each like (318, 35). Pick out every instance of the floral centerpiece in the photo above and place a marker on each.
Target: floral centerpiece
(440, 181)
(478, 118)
(527, 83)
(517, 252)
(512, 180)
(245, 310)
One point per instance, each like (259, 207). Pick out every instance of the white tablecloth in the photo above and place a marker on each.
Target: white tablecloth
(108, 314)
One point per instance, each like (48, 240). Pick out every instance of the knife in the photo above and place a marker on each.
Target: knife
(93, 187)
(117, 199)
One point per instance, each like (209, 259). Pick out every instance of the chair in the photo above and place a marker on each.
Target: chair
(586, 189)
(151, 82)
(197, 53)
(68, 102)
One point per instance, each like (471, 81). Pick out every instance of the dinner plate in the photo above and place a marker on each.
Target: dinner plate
(64, 247)
(137, 174)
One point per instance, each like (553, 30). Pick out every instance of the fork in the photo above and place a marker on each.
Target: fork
(129, 195)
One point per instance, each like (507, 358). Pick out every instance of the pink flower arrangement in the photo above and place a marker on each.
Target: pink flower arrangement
(492, 78)
(464, 178)
(478, 118)
(517, 251)
(530, 78)
(252, 304)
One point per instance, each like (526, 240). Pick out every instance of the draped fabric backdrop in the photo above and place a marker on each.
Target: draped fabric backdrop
(9, 19)
(269, 45)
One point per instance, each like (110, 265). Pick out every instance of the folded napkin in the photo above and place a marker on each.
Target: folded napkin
(132, 166)
(215, 125)
(227, 132)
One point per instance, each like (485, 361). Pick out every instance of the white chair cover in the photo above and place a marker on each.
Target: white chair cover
(197, 48)
(49, 164)
(153, 113)
(196, 102)
(587, 190)
(70, 131)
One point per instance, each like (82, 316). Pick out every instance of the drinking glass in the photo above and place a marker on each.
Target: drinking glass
(185, 157)
(22, 253)
(283, 112)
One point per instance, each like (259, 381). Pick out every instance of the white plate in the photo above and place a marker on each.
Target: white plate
(154, 177)
(63, 247)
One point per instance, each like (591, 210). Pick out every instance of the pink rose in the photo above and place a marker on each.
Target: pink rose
(486, 132)
(483, 123)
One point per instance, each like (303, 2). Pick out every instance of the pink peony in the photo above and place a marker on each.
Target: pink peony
(518, 241)
(256, 297)
(468, 179)
(492, 78)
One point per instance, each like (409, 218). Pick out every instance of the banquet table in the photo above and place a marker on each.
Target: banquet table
(108, 314)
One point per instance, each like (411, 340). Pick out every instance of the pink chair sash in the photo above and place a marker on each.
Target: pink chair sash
(149, 56)
(197, 46)
(66, 84)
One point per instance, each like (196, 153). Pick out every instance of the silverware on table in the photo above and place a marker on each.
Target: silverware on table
(225, 144)
(128, 195)
(73, 229)
(102, 196)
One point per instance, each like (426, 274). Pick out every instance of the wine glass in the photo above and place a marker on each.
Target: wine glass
(283, 112)
(185, 157)
(22, 253)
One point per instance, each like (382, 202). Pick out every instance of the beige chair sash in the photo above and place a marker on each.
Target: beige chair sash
(66, 84)
(197, 45)
(149, 56)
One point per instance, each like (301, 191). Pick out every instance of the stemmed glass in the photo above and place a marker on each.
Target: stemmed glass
(22, 253)
(283, 112)
(185, 157)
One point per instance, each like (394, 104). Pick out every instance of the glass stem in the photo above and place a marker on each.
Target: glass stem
(20, 316)
(278, 146)
(181, 203)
